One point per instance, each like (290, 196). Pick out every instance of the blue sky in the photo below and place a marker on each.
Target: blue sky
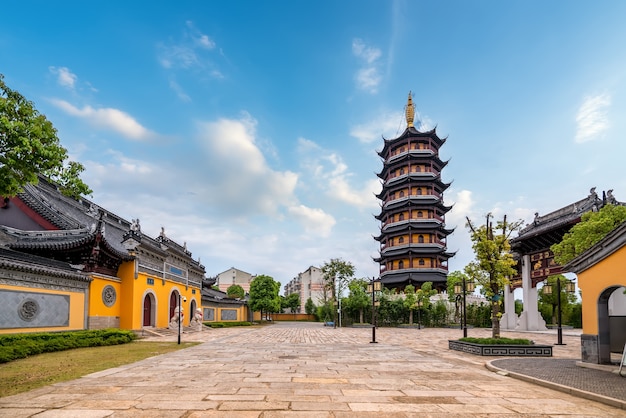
(249, 130)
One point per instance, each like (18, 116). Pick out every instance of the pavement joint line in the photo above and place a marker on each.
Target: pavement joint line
(561, 388)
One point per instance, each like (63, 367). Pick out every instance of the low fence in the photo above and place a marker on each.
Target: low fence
(283, 317)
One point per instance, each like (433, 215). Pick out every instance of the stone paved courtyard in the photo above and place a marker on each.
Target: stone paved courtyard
(308, 370)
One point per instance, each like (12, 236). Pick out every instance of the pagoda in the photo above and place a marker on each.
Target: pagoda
(413, 232)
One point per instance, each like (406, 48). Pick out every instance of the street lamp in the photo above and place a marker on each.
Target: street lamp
(569, 288)
(460, 290)
(180, 313)
(372, 288)
(419, 314)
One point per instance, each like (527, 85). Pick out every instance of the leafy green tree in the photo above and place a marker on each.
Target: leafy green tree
(264, 295)
(493, 263)
(336, 274)
(358, 299)
(309, 307)
(454, 278)
(423, 294)
(592, 227)
(292, 301)
(29, 146)
(235, 291)
(410, 301)
(552, 299)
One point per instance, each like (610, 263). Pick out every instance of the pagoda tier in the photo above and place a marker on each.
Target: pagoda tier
(413, 234)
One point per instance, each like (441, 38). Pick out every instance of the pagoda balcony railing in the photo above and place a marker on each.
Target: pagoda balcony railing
(434, 197)
(420, 174)
(425, 151)
(441, 269)
(436, 219)
(437, 244)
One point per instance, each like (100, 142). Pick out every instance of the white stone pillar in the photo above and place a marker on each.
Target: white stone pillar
(530, 319)
(509, 317)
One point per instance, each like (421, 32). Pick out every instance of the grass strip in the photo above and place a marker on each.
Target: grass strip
(45, 369)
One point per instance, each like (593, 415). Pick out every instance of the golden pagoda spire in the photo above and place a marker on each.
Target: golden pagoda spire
(410, 112)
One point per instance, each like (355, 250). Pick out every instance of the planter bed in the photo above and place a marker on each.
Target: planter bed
(532, 350)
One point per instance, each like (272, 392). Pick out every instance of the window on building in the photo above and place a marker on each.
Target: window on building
(421, 262)
(401, 264)
(420, 214)
(420, 239)
(401, 217)
(401, 240)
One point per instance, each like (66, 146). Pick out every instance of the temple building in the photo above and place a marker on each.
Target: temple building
(535, 259)
(413, 234)
(68, 264)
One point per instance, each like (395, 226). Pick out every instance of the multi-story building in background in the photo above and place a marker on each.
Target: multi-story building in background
(233, 276)
(308, 284)
(413, 232)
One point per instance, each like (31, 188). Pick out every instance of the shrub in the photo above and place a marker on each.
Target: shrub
(16, 346)
(492, 341)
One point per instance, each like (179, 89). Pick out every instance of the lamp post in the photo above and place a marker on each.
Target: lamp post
(180, 314)
(419, 314)
(372, 288)
(569, 288)
(460, 290)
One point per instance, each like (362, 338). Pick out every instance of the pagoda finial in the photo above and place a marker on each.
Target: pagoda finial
(410, 112)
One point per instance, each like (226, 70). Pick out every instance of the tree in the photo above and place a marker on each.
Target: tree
(29, 146)
(264, 294)
(455, 278)
(309, 307)
(358, 298)
(552, 299)
(592, 227)
(494, 262)
(235, 291)
(423, 294)
(410, 301)
(292, 301)
(336, 274)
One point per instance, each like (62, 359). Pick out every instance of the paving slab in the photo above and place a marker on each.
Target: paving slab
(308, 370)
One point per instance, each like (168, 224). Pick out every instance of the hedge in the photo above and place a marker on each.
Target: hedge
(16, 346)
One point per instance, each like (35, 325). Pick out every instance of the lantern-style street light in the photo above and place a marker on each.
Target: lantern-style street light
(373, 287)
(569, 288)
(460, 290)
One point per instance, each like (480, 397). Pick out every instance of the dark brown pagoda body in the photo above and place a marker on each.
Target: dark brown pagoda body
(413, 235)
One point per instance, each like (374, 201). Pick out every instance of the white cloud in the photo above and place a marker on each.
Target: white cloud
(108, 118)
(332, 175)
(179, 90)
(65, 77)
(315, 221)
(238, 171)
(368, 77)
(387, 124)
(592, 119)
(188, 52)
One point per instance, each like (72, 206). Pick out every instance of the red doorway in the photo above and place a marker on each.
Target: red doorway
(147, 311)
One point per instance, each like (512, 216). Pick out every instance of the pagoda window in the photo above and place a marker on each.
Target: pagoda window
(419, 190)
(401, 264)
(421, 262)
(401, 193)
(420, 239)
(401, 217)
(402, 171)
(401, 240)
(418, 168)
(420, 214)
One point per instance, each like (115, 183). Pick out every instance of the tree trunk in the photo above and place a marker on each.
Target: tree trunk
(361, 315)
(495, 320)
(410, 316)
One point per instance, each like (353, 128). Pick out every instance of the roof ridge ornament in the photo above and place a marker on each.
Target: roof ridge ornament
(410, 112)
